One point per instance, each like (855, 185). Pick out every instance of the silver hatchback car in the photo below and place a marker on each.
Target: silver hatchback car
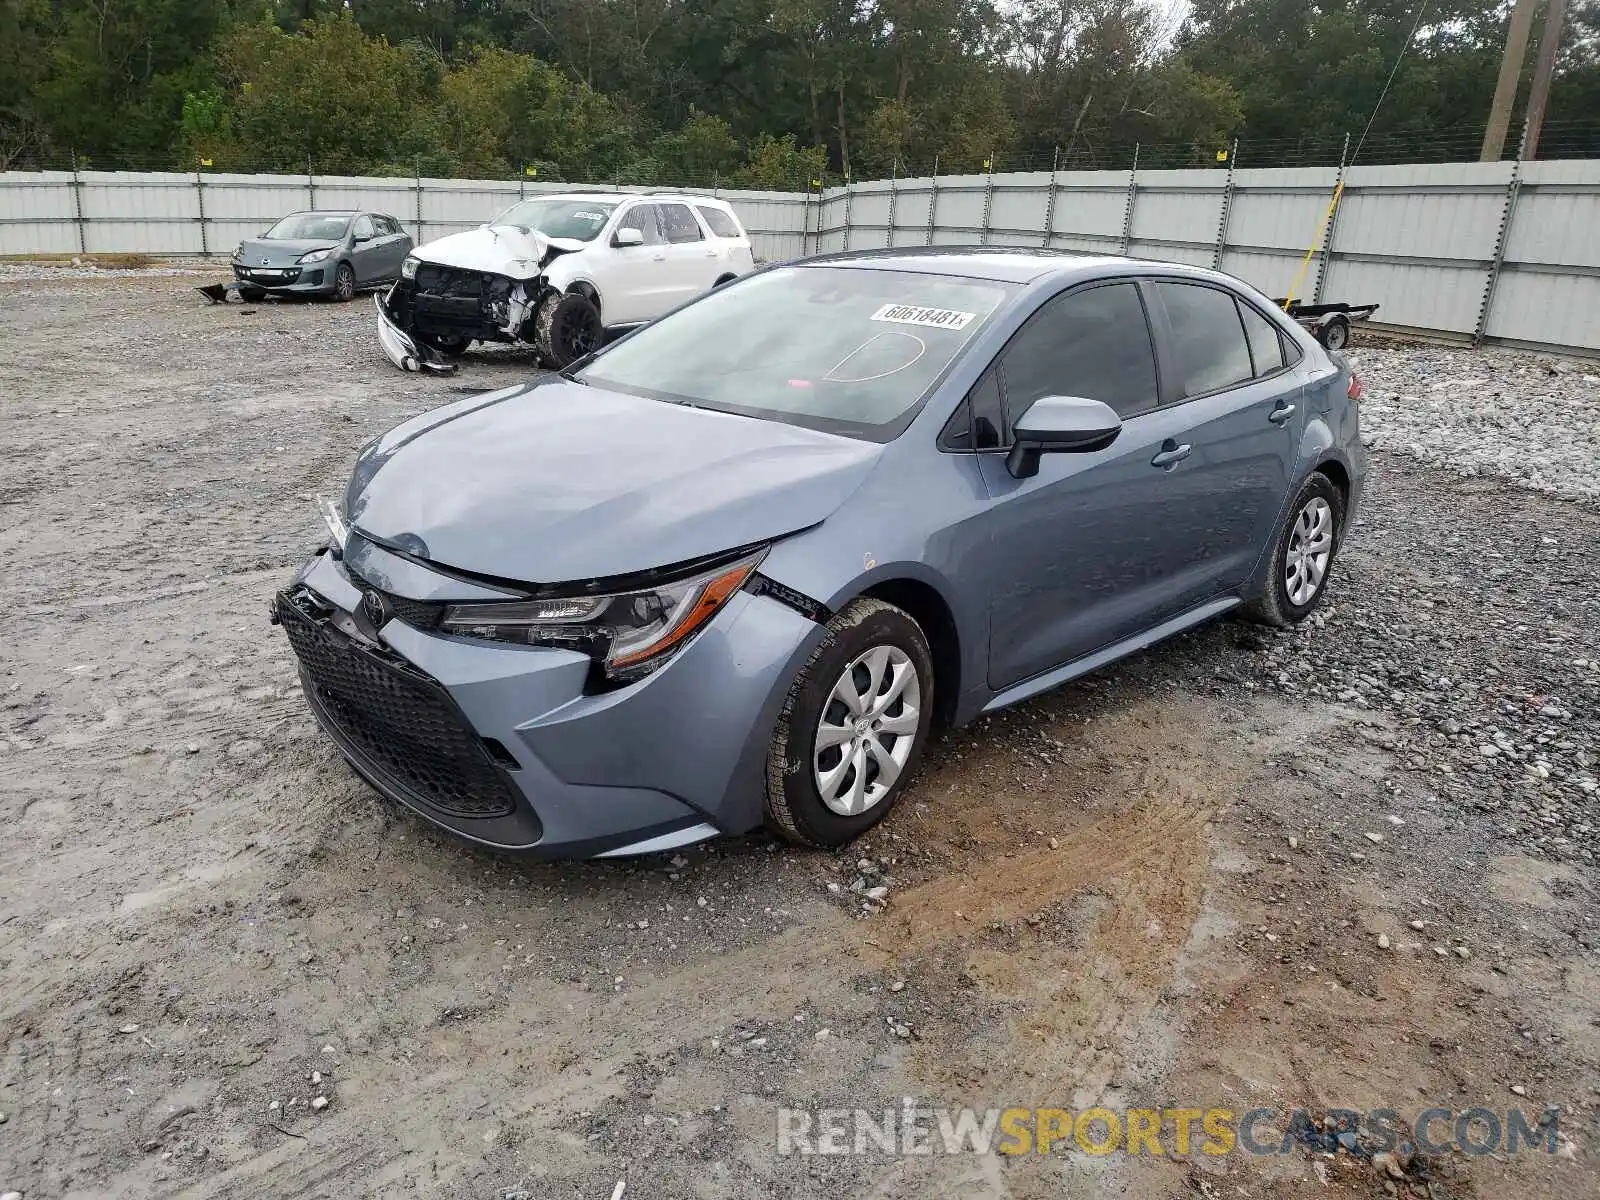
(731, 569)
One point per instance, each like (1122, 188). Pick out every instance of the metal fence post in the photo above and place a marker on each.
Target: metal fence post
(1133, 192)
(417, 168)
(1227, 207)
(849, 201)
(522, 181)
(77, 206)
(933, 198)
(1507, 213)
(894, 194)
(311, 184)
(1050, 200)
(988, 197)
(1325, 259)
(200, 207)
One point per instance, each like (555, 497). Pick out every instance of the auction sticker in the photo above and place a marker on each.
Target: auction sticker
(912, 314)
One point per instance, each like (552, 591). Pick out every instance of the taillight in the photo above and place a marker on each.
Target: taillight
(1357, 389)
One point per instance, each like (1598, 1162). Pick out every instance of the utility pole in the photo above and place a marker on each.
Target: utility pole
(1505, 88)
(1543, 71)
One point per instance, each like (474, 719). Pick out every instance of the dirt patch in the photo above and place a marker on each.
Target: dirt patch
(208, 924)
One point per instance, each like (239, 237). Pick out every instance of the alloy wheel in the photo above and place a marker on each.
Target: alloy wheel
(1306, 557)
(344, 283)
(867, 730)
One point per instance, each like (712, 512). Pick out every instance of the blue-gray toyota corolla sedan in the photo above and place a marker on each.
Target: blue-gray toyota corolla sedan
(731, 569)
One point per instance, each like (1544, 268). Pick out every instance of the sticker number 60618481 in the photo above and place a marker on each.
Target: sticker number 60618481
(913, 314)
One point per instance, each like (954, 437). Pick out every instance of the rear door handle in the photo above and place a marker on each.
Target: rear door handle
(659, 257)
(1281, 414)
(1171, 454)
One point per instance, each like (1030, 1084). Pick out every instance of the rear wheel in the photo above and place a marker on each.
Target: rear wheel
(853, 727)
(1335, 335)
(565, 329)
(344, 282)
(1297, 570)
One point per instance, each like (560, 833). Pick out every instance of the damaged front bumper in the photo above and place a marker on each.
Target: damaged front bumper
(403, 351)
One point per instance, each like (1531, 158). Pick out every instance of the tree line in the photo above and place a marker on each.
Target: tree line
(763, 93)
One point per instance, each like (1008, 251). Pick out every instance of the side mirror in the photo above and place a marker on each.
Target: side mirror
(628, 236)
(363, 237)
(1055, 424)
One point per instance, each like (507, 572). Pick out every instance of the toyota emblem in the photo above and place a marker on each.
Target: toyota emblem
(376, 609)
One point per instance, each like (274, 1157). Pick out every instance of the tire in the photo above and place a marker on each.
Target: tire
(867, 635)
(1335, 335)
(565, 328)
(448, 347)
(344, 283)
(1276, 601)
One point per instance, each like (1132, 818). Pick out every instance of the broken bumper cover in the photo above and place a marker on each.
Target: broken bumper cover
(505, 746)
(401, 349)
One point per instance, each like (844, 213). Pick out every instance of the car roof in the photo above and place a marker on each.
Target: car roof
(1004, 264)
(685, 197)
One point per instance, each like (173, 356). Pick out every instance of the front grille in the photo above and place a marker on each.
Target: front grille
(419, 614)
(400, 725)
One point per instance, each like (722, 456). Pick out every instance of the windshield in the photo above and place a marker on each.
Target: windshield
(846, 350)
(310, 227)
(578, 219)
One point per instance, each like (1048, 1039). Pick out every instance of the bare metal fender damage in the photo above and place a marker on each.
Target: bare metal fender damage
(483, 284)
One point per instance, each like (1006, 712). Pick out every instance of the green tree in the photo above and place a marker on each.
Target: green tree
(329, 96)
(702, 151)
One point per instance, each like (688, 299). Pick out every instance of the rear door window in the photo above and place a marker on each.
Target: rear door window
(1092, 342)
(678, 223)
(720, 223)
(1266, 344)
(1208, 343)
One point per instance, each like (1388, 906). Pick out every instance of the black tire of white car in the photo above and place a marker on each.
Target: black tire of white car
(1271, 604)
(794, 805)
(565, 328)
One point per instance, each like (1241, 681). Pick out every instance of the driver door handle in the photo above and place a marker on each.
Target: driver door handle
(1171, 454)
(659, 257)
(1281, 414)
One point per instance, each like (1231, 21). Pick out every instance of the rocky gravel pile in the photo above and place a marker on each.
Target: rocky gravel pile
(1524, 417)
(79, 267)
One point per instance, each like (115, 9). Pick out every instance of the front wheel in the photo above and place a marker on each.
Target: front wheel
(565, 329)
(853, 727)
(344, 283)
(1301, 560)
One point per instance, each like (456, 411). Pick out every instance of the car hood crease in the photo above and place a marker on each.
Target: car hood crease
(560, 482)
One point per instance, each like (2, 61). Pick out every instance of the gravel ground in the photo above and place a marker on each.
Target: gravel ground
(1528, 418)
(1348, 866)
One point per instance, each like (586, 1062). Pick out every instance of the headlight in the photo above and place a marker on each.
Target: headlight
(408, 269)
(238, 251)
(312, 256)
(629, 633)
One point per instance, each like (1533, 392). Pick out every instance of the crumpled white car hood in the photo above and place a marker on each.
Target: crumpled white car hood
(498, 249)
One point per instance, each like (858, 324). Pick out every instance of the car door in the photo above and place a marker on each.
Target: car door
(1243, 412)
(691, 256)
(396, 245)
(366, 256)
(1083, 553)
(632, 280)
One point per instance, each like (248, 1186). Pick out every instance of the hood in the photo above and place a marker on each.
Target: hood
(498, 249)
(276, 252)
(558, 482)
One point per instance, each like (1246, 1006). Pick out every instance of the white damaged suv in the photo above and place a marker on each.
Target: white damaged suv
(559, 272)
